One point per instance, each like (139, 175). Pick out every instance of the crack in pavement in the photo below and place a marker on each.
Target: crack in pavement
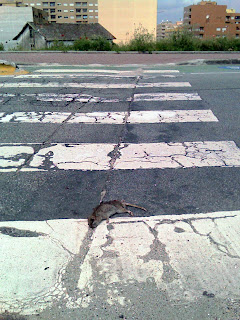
(220, 247)
(158, 252)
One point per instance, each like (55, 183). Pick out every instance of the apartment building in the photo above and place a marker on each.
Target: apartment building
(166, 28)
(207, 19)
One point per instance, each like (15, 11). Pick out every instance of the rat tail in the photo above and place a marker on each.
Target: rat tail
(135, 206)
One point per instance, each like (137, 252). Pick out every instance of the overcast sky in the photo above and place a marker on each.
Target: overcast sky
(173, 9)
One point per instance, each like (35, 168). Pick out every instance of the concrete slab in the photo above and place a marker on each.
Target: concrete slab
(179, 262)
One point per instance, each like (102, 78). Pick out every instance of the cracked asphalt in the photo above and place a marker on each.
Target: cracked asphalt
(180, 259)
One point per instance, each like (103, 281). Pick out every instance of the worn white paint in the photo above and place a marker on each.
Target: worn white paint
(183, 255)
(95, 156)
(80, 71)
(178, 155)
(12, 156)
(166, 96)
(111, 117)
(52, 97)
(102, 71)
(72, 75)
(161, 71)
(169, 116)
(94, 85)
(69, 97)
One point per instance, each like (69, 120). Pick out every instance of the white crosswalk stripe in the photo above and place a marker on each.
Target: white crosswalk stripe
(101, 71)
(110, 117)
(131, 156)
(94, 85)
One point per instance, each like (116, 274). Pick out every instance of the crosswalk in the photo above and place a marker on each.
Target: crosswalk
(78, 147)
(132, 156)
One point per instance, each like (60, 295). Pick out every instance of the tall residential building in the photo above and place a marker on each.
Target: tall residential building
(207, 19)
(123, 17)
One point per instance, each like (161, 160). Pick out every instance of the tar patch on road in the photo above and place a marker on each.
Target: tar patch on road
(14, 232)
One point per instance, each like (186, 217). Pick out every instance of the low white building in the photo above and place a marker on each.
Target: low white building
(14, 18)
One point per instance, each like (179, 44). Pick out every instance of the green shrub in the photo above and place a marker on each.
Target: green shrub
(58, 46)
(101, 44)
(82, 45)
(96, 44)
(142, 41)
(1, 47)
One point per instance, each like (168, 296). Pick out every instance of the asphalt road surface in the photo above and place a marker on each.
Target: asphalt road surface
(165, 138)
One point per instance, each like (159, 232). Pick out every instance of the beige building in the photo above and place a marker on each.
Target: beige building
(122, 17)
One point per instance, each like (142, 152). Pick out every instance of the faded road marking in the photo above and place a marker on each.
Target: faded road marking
(84, 98)
(166, 96)
(111, 117)
(102, 71)
(93, 156)
(178, 155)
(94, 85)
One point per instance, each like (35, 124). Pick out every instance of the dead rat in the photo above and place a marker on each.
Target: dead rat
(106, 209)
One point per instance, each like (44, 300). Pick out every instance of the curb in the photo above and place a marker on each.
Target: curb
(10, 68)
(199, 62)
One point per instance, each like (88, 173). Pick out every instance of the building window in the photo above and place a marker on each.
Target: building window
(78, 10)
(237, 35)
(84, 10)
(52, 10)
(85, 16)
(45, 4)
(65, 10)
(53, 16)
(59, 10)
(59, 17)
(65, 17)
(218, 29)
(224, 29)
(201, 28)
(52, 4)
(237, 17)
(78, 16)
